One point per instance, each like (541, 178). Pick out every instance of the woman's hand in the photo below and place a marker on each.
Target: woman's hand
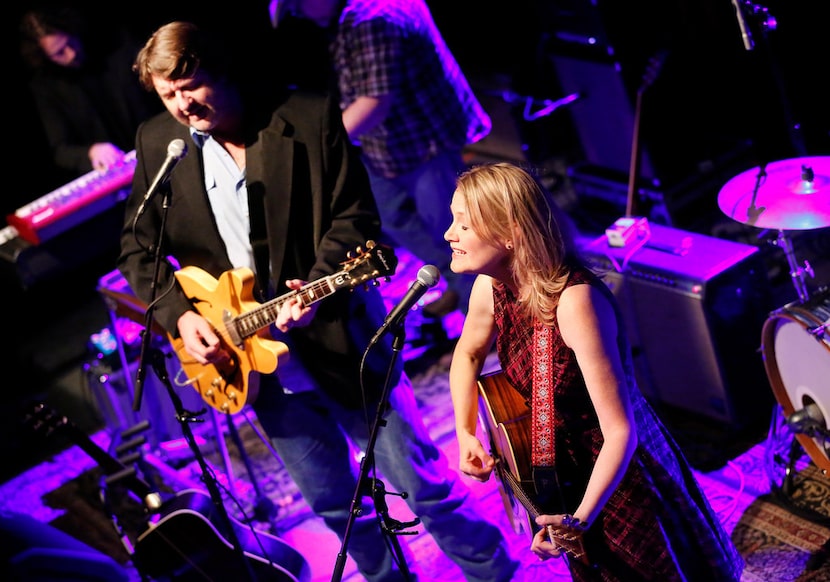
(560, 533)
(474, 461)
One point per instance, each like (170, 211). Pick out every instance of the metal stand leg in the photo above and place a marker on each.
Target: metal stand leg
(782, 463)
(779, 453)
(264, 508)
(222, 446)
(797, 272)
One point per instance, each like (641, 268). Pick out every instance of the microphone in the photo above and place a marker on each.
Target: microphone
(428, 277)
(176, 150)
(746, 35)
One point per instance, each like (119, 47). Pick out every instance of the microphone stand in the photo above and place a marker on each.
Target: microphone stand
(758, 16)
(183, 416)
(390, 527)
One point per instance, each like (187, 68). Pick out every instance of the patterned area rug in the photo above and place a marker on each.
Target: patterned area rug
(779, 545)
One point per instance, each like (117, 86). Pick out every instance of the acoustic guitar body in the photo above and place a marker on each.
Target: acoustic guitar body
(191, 542)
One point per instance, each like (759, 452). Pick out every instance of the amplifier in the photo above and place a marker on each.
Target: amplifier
(694, 307)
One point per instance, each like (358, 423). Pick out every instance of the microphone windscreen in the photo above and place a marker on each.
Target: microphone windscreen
(429, 275)
(176, 148)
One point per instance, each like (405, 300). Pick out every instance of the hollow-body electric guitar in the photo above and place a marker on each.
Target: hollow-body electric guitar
(242, 322)
(506, 419)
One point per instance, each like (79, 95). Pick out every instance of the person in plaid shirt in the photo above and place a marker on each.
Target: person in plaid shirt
(407, 103)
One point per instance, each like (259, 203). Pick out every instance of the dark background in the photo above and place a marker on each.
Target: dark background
(710, 91)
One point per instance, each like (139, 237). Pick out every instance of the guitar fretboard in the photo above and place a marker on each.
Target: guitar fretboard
(517, 490)
(247, 324)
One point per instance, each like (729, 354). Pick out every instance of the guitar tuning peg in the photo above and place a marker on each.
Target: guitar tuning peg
(370, 244)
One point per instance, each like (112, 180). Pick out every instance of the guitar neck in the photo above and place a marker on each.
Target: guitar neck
(309, 293)
(634, 166)
(519, 492)
(249, 323)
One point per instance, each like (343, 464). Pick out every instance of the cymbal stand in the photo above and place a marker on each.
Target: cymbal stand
(797, 272)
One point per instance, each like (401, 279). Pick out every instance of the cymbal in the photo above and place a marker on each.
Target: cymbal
(792, 194)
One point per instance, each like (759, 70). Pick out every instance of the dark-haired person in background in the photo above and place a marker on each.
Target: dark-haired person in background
(85, 93)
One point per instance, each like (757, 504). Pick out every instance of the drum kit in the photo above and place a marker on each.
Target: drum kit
(793, 195)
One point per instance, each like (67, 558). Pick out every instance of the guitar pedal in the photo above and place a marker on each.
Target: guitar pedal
(624, 230)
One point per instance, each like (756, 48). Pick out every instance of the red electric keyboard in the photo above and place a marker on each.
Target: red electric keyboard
(72, 203)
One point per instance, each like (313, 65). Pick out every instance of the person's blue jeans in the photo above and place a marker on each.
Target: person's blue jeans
(308, 431)
(415, 213)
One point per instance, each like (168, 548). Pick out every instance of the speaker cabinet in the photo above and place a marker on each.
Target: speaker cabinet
(694, 307)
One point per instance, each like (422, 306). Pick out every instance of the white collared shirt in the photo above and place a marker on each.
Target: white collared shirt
(228, 195)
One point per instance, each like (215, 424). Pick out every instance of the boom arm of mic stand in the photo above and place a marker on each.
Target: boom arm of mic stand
(544, 106)
(548, 106)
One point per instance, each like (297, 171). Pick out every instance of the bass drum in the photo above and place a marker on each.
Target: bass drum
(796, 350)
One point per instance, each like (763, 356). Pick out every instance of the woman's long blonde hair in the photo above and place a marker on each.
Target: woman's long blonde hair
(507, 203)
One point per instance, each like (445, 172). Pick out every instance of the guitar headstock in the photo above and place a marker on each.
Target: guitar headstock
(46, 422)
(653, 69)
(375, 262)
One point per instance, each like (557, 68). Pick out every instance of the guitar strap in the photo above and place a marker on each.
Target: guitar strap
(549, 494)
(259, 241)
(542, 404)
(545, 477)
